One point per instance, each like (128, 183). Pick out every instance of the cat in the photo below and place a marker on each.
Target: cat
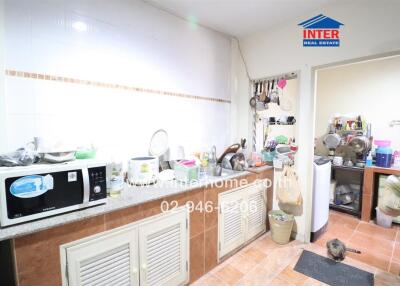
(337, 249)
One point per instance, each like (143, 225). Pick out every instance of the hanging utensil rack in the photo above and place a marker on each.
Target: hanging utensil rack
(287, 76)
(254, 88)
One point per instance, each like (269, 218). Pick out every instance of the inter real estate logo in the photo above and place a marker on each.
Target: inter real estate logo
(321, 31)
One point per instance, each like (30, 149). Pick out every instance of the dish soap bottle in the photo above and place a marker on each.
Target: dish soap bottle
(368, 162)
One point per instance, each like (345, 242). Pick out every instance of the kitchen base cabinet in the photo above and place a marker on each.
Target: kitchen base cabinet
(256, 211)
(109, 259)
(149, 252)
(242, 216)
(30, 250)
(163, 251)
(231, 222)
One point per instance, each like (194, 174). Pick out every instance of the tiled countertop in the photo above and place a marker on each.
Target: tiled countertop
(130, 196)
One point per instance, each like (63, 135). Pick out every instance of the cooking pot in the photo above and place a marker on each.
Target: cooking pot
(143, 170)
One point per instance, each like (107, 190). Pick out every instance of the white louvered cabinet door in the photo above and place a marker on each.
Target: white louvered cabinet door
(231, 222)
(256, 210)
(110, 259)
(163, 245)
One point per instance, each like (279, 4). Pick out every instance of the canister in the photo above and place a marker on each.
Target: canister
(384, 157)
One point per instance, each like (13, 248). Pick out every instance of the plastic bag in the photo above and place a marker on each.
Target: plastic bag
(289, 191)
(20, 157)
(389, 203)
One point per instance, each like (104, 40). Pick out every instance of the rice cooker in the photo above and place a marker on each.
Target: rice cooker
(143, 170)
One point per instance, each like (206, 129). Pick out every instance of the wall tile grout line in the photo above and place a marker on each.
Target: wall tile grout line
(56, 78)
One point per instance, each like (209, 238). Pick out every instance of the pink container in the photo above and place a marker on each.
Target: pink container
(382, 143)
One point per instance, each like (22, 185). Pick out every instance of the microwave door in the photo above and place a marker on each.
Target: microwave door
(35, 194)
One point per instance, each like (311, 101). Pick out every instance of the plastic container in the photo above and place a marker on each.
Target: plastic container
(384, 157)
(186, 172)
(268, 156)
(85, 154)
(114, 178)
(281, 226)
(382, 143)
(383, 219)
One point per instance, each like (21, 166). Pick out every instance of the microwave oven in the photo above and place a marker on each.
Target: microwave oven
(41, 190)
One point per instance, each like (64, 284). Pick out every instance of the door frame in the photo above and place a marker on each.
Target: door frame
(313, 96)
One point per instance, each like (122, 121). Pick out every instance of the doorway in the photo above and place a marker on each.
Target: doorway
(355, 98)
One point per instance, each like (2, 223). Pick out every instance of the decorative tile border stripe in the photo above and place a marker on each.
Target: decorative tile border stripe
(39, 76)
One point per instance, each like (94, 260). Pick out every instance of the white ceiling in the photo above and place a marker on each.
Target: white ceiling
(240, 17)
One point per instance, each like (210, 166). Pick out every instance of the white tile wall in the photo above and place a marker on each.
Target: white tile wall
(126, 42)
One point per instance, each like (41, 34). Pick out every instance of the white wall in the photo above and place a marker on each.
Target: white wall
(371, 27)
(128, 43)
(370, 89)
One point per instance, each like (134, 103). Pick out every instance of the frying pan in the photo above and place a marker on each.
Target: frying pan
(332, 141)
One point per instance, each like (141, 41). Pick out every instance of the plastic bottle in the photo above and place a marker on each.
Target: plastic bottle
(369, 160)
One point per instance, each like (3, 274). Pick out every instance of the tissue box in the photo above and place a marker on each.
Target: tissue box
(186, 173)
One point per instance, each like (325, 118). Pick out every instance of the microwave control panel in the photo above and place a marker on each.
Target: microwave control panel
(98, 186)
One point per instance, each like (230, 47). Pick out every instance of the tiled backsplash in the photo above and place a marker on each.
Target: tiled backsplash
(111, 73)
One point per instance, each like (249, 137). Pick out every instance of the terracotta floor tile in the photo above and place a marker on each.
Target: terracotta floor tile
(313, 282)
(229, 275)
(209, 280)
(333, 215)
(386, 279)
(364, 242)
(339, 231)
(360, 265)
(396, 253)
(320, 250)
(222, 264)
(213, 280)
(254, 254)
(346, 220)
(280, 282)
(377, 231)
(280, 258)
(291, 276)
(394, 268)
(264, 263)
(266, 244)
(243, 263)
(379, 261)
(349, 221)
(258, 277)
(322, 240)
